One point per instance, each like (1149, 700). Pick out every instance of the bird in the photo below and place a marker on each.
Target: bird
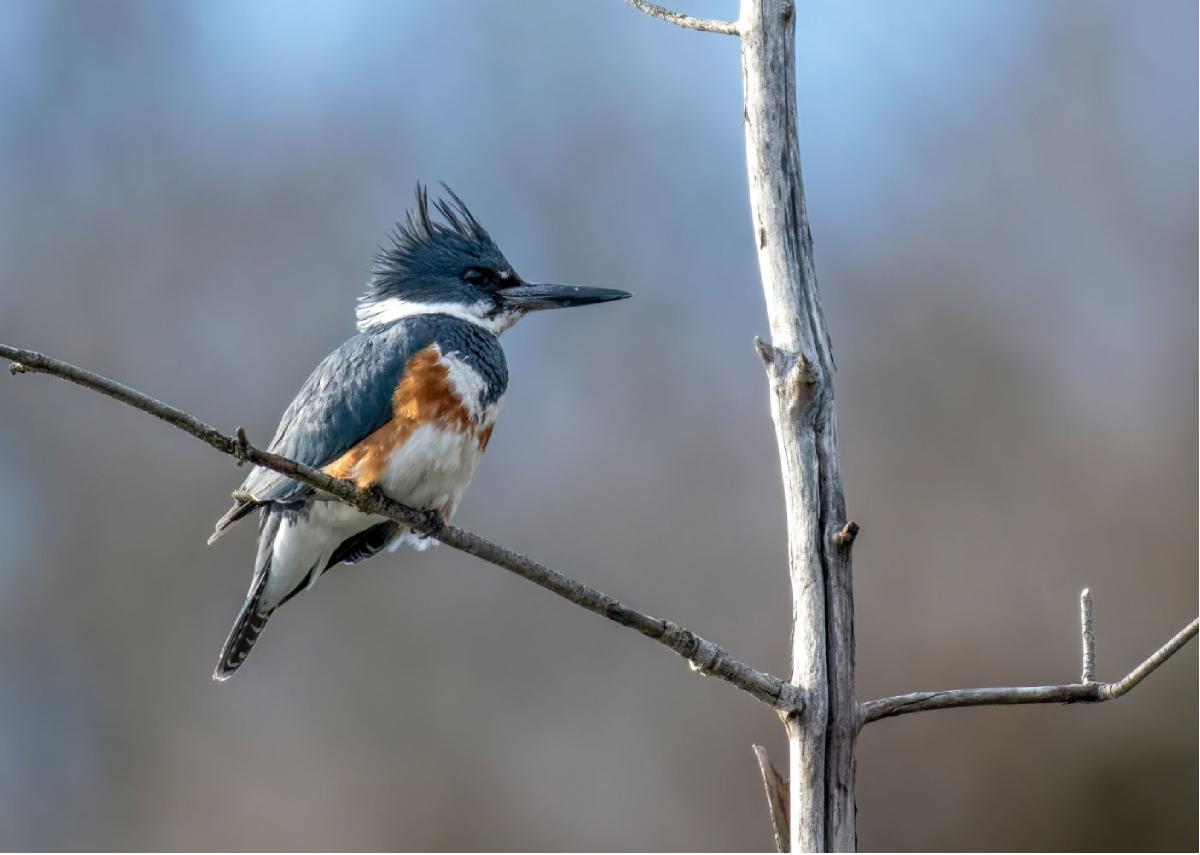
(405, 406)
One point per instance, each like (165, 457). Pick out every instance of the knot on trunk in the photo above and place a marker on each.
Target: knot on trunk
(797, 379)
(844, 538)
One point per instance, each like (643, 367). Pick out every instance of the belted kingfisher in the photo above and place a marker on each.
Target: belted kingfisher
(407, 405)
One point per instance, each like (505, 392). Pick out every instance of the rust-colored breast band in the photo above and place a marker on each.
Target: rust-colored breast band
(423, 396)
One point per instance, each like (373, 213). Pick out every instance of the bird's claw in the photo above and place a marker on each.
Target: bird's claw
(433, 523)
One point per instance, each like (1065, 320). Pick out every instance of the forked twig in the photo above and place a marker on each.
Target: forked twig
(1085, 691)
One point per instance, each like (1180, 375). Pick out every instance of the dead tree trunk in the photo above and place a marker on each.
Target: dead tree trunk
(799, 363)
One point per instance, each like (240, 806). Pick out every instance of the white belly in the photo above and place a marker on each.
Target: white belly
(430, 471)
(432, 468)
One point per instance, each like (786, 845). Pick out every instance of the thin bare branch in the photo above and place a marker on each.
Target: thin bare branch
(1109, 691)
(1071, 693)
(704, 25)
(705, 656)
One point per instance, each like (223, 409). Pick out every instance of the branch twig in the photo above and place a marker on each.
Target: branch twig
(1110, 691)
(704, 25)
(776, 787)
(1088, 632)
(704, 656)
(1070, 693)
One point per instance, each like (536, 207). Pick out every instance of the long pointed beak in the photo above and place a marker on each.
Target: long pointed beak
(532, 298)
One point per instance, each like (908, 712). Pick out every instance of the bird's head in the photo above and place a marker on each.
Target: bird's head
(452, 266)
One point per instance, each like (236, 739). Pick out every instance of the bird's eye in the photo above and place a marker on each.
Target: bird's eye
(475, 276)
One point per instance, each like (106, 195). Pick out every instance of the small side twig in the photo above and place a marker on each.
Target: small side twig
(1086, 691)
(776, 787)
(766, 352)
(241, 445)
(1109, 691)
(704, 25)
(1088, 631)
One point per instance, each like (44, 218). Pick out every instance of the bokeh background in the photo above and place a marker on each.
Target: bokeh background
(1003, 196)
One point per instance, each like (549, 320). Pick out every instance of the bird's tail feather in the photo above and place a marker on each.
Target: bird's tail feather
(246, 630)
(240, 509)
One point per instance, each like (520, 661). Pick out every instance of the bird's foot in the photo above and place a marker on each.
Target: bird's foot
(433, 523)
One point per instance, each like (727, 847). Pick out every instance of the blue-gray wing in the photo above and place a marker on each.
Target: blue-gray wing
(347, 397)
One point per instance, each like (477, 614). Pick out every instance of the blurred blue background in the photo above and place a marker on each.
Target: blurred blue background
(1003, 197)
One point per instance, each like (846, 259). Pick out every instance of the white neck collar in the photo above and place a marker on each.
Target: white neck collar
(376, 313)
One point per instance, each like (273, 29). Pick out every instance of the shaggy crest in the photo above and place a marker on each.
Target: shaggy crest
(425, 252)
